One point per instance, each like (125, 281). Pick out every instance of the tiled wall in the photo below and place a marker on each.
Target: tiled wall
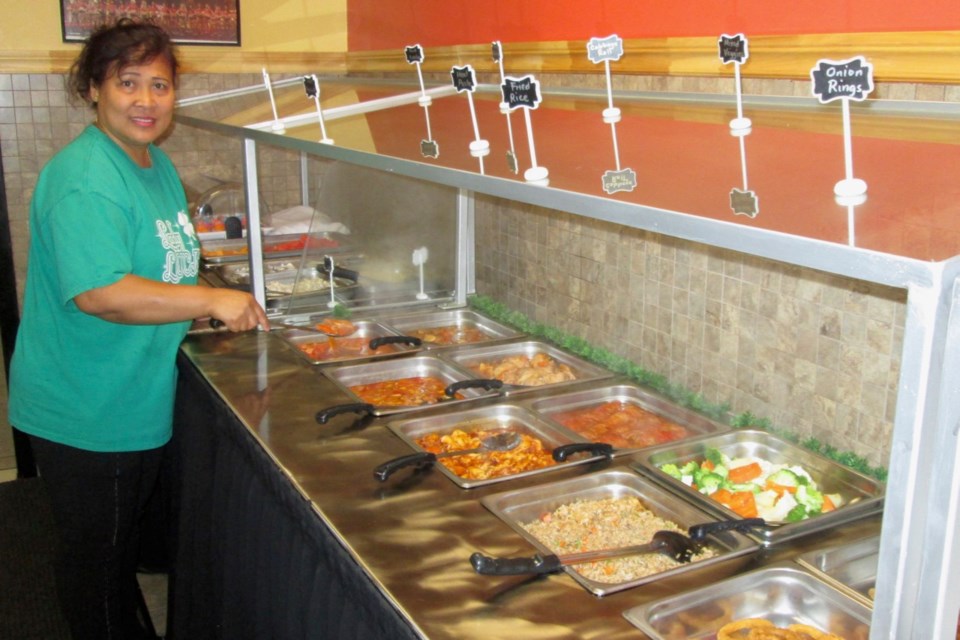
(813, 353)
(816, 354)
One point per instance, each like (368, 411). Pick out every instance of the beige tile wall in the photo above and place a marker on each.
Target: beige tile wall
(813, 353)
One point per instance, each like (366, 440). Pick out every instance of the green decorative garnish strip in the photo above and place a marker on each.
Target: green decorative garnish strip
(660, 384)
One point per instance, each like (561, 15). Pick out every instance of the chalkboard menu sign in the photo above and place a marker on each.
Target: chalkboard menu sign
(609, 48)
(310, 86)
(733, 48)
(622, 180)
(744, 203)
(521, 92)
(414, 54)
(463, 78)
(833, 79)
(495, 50)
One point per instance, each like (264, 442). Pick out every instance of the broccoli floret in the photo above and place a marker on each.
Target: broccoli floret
(721, 470)
(810, 498)
(709, 482)
(672, 470)
(784, 478)
(797, 514)
(716, 457)
(690, 468)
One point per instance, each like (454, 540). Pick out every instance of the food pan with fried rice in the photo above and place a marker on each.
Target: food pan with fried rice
(607, 510)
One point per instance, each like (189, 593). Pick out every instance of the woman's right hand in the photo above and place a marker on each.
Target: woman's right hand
(238, 310)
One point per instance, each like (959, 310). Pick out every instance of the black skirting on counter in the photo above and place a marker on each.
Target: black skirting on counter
(252, 559)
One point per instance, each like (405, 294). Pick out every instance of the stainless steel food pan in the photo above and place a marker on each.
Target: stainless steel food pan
(851, 567)
(350, 375)
(686, 423)
(461, 320)
(346, 348)
(471, 357)
(501, 417)
(527, 505)
(784, 594)
(862, 495)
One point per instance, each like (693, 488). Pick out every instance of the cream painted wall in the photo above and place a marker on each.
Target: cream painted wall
(265, 26)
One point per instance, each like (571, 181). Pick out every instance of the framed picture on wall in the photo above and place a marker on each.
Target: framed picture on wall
(187, 21)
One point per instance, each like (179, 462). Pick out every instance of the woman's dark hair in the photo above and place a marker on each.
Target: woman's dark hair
(115, 46)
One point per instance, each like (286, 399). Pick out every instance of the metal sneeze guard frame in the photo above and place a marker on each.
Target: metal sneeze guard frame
(918, 577)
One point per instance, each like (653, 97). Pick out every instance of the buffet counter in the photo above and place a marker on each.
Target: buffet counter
(283, 532)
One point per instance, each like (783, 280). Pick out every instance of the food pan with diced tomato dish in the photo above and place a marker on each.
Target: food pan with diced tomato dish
(450, 327)
(624, 416)
(749, 474)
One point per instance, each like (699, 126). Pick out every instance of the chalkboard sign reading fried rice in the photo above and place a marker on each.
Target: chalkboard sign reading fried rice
(521, 92)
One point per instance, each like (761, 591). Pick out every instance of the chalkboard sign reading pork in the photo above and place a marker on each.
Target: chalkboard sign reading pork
(465, 81)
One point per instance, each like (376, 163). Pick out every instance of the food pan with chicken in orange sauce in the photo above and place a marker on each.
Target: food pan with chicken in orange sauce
(464, 429)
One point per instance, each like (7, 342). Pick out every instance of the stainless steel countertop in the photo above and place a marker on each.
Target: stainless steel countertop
(414, 534)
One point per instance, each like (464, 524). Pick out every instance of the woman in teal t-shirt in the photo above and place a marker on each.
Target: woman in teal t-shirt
(111, 290)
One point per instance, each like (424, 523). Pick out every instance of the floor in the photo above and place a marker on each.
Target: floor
(153, 586)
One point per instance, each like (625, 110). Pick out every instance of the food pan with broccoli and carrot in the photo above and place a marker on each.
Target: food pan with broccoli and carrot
(750, 474)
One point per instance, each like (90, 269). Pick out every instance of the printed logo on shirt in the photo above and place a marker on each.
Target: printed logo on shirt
(181, 261)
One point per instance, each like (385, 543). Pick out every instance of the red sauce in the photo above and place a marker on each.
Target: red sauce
(402, 392)
(621, 424)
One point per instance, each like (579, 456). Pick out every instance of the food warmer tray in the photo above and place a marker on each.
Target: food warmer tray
(782, 593)
(686, 423)
(462, 321)
(346, 376)
(529, 504)
(851, 567)
(862, 494)
(216, 252)
(347, 348)
(501, 417)
(469, 357)
(283, 280)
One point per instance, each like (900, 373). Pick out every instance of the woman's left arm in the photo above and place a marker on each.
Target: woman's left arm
(136, 300)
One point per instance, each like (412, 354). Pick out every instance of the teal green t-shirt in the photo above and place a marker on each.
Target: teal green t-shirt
(95, 217)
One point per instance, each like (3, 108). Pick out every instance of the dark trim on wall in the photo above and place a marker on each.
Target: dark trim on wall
(10, 322)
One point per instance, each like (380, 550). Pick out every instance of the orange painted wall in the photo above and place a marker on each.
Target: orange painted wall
(393, 24)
